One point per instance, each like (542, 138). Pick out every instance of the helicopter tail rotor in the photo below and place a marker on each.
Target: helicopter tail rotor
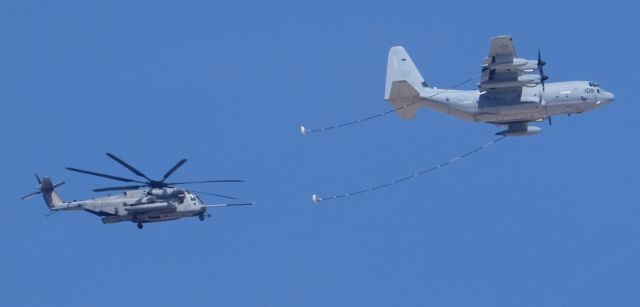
(46, 187)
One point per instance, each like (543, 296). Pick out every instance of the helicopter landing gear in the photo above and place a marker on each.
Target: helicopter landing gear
(140, 225)
(201, 217)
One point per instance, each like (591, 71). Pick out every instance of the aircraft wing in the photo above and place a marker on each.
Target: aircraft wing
(500, 78)
(501, 50)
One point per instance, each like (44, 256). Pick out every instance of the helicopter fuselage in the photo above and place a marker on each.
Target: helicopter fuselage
(140, 206)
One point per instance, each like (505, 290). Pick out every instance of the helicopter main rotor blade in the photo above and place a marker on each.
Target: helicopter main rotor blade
(213, 194)
(173, 169)
(103, 175)
(205, 181)
(131, 187)
(129, 167)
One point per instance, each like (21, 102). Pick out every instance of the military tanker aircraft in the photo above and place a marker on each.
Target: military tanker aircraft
(512, 91)
(145, 202)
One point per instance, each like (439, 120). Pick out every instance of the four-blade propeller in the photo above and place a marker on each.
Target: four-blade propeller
(541, 64)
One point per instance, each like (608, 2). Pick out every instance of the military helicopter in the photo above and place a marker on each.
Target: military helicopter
(145, 202)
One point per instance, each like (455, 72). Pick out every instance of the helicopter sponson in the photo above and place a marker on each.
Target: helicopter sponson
(155, 207)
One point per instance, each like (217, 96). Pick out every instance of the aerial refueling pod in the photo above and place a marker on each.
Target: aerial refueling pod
(519, 129)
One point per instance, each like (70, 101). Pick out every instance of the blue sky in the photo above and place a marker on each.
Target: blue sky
(550, 220)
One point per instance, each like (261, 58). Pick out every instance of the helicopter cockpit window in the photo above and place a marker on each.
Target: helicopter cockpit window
(594, 84)
(192, 198)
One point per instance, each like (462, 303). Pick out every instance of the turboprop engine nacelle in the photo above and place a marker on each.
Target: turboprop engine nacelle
(529, 80)
(519, 64)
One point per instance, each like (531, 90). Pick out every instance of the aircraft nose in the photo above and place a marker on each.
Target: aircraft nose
(607, 97)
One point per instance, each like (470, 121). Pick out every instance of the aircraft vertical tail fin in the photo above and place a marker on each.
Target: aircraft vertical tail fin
(404, 83)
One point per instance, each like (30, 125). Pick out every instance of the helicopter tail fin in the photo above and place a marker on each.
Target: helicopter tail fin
(51, 197)
(47, 189)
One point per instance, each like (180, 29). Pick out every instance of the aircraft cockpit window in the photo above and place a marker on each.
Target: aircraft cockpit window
(594, 84)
